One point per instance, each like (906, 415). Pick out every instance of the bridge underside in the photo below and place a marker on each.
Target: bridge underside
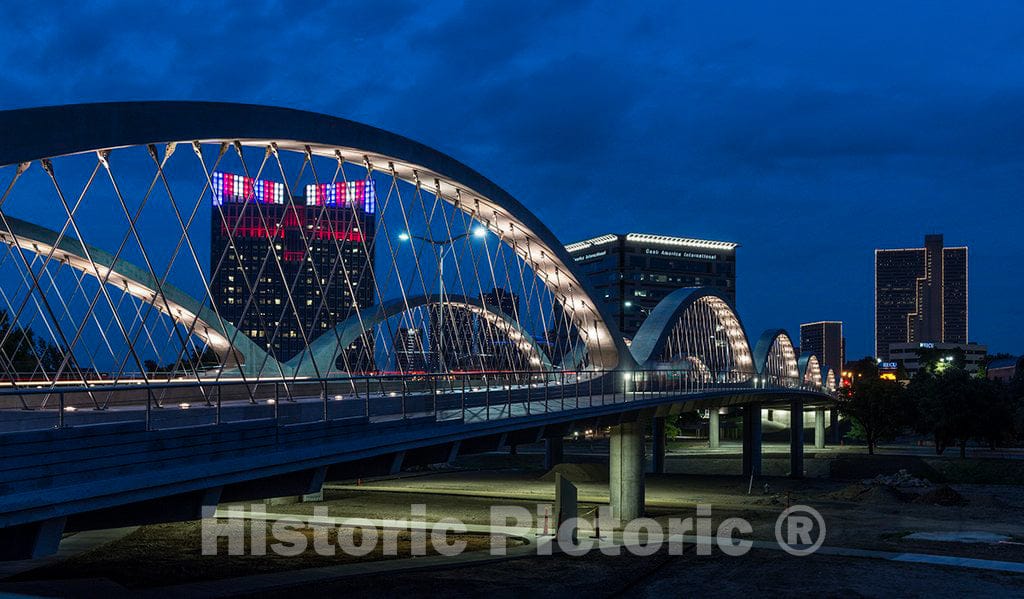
(204, 303)
(120, 474)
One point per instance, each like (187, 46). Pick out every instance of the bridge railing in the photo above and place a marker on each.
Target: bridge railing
(469, 397)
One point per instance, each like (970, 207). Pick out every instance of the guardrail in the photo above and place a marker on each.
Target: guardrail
(467, 396)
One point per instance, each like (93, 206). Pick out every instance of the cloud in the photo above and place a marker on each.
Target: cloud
(809, 133)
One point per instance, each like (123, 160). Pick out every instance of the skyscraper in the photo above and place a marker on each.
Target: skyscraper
(497, 350)
(410, 352)
(825, 340)
(920, 295)
(632, 273)
(286, 270)
(452, 338)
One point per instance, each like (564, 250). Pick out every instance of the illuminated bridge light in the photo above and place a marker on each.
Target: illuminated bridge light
(360, 194)
(229, 187)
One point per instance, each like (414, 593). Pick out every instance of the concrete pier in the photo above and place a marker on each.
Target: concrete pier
(714, 430)
(819, 428)
(626, 471)
(796, 438)
(752, 439)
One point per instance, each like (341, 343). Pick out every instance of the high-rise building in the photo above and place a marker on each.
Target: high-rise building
(285, 270)
(920, 295)
(461, 339)
(410, 351)
(633, 272)
(825, 340)
(496, 348)
(452, 338)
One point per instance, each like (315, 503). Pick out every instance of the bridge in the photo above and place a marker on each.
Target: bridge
(207, 303)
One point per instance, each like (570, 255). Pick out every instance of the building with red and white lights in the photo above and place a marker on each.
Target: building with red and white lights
(285, 270)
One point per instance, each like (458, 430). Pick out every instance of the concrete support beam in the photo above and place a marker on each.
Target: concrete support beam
(658, 445)
(752, 439)
(626, 471)
(554, 452)
(31, 541)
(714, 429)
(819, 428)
(796, 438)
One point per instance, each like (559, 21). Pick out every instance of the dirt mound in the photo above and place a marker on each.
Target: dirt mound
(578, 473)
(902, 478)
(943, 495)
(862, 493)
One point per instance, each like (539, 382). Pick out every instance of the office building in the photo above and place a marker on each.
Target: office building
(631, 273)
(285, 270)
(410, 351)
(920, 295)
(825, 340)
(461, 339)
(452, 338)
(1005, 370)
(496, 348)
(908, 355)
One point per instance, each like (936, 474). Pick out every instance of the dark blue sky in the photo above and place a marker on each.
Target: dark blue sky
(810, 135)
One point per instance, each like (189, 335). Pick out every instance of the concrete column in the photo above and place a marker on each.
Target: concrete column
(658, 445)
(713, 429)
(553, 452)
(752, 440)
(834, 423)
(626, 471)
(796, 438)
(819, 428)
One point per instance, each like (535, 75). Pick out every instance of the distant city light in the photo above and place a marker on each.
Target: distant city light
(359, 194)
(229, 187)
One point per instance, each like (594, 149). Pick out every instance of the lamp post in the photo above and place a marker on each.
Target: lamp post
(445, 245)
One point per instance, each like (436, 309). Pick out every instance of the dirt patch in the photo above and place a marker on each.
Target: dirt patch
(872, 494)
(859, 467)
(169, 554)
(944, 495)
(579, 473)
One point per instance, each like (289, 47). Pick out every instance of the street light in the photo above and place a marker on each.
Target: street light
(446, 246)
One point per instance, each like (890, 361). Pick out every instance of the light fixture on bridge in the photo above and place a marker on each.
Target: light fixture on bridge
(479, 232)
(271, 401)
(184, 405)
(403, 236)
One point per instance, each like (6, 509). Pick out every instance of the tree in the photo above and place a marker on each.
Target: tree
(23, 352)
(955, 407)
(994, 423)
(876, 407)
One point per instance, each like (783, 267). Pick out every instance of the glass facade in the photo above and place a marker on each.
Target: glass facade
(286, 270)
(920, 295)
(825, 340)
(633, 272)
